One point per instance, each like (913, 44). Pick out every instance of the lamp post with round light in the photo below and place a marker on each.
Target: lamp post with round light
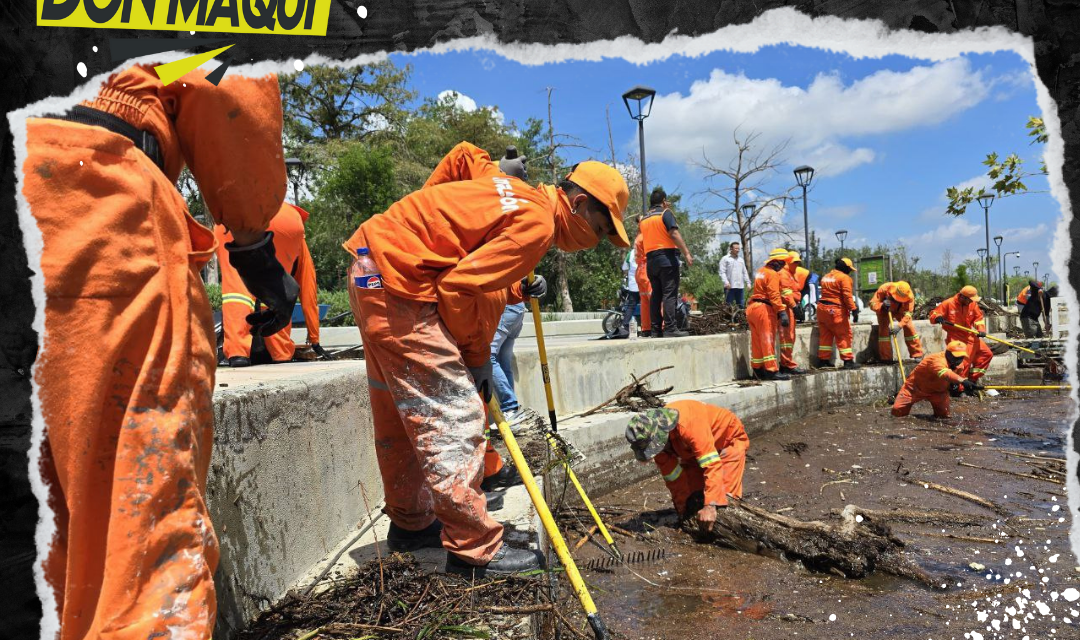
(982, 256)
(642, 99)
(803, 176)
(1035, 266)
(1005, 274)
(841, 235)
(985, 200)
(748, 211)
(1000, 274)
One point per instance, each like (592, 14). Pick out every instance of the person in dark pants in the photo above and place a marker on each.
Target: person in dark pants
(662, 243)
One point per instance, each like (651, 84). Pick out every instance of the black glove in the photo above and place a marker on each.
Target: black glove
(784, 319)
(513, 164)
(482, 378)
(537, 289)
(694, 503)
(887, 305)
(267, 282)
(981, 334)
(855, 315)
(895, 330)
(955, 389)
(317, 348)
(969, 387)
(937, 320)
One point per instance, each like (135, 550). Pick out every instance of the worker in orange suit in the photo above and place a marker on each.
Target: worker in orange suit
(791, 293)
(801, 274)
(237, 302)
(931, 381)
(126, 372)
(644, 286)
(767, 315)
(449, 257)
(834, 311)
(962, 320)
(700, 450)
(895, 302)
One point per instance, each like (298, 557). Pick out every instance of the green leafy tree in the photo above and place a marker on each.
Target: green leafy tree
(960, 280)
(1007, 175)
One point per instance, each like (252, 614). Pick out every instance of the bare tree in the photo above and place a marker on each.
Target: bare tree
(746, 175)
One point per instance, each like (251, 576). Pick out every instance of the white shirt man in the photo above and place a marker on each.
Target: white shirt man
(733, 273)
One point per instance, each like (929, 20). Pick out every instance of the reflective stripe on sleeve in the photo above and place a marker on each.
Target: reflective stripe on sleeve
(674, 475)
(711, 457)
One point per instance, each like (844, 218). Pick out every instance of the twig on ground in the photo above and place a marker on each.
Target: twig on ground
(963, 495)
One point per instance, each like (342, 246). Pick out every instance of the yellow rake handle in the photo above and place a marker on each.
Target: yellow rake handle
(552, 530)
(896, 349)
(990, 337)
(1055, 387)
(534, 304)
(585, 498)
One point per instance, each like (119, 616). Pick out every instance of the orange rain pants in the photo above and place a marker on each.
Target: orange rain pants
(236, 302)
(914, 344)
(928, 381)
(126, 370)
(763, 329)
(429, 423)
(979, 357)
(791, 295)
(644, 286)
(834, 325)
(908, 397)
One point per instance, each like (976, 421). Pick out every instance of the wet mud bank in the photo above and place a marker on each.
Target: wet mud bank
(1002, 569)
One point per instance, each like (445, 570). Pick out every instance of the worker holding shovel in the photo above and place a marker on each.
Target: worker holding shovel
(446, 260)
(700, 450)
(963, 321)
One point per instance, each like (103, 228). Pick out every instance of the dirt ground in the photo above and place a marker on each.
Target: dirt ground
(1010, 577)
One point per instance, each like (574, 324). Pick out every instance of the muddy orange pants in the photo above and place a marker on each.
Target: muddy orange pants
(763, 327)
(834, 326)
(914, 344)
(787, 342)
(908, 396)
(234, 312)
(978, 361)
(429, 423)
(125, 379)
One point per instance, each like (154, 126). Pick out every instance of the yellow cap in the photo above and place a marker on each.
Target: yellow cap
(957, 348)
(970, 292)
(902, 292)
(849, 263)
(778, 254)
(793, 257)
(607, 185)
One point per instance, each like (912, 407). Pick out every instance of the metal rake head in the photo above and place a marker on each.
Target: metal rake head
(634, 557)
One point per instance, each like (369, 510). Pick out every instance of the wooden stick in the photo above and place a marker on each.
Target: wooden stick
(920, 516)
(569, 627)
(615, 397)
(585, 538)
(964, 495)
(1030, 456)
(622, 531)
(1011, 473)
(522, 610)
(951, 536)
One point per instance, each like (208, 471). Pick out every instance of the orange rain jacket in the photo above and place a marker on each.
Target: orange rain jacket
(465, 240)
(292, 252)
(767, 289)
(900, 310)
(837, 288)
(789, 289)
(932, 376)
(800, 274)
(970, 316)
(130, 422)
(705, 439)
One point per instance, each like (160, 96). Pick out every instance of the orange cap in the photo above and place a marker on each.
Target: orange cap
(957, 348)
(902, 292)
(849, 263)
(970, 292)
(608, 186)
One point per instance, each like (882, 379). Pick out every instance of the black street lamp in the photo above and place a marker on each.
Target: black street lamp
(642, 98)
(1005, 274)
(1000, 274)
(841, 235)
(985, 200)
(982, 256)
(1035, 265)
(748, 211)
(803, 175)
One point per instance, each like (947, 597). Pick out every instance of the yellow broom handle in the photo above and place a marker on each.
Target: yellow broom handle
(552, 530)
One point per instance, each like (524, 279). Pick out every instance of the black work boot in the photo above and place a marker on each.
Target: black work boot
(239, 361)
(822, 364)
(676, 333)
(772, 375)
(494, 500)
(506, 477)
(621, 334)
(792, 371)
(398, 539)
(506, 560)
(850, 364)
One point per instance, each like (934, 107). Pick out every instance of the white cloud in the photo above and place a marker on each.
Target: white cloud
(460, 100)
(981, 181)
(955, 229)
(816, 119)
(1025, 233)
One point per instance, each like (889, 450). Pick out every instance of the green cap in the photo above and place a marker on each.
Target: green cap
(648, 432)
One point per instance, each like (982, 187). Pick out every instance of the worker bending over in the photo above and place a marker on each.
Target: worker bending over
(449, 258)
(662, 243)
(791, 292)
(962, 312)
(1034, 302)
(931, 381)
(237, 303)
(699, 448)
(126, 371)
(834, 311)
(767, 314)
(895, 301)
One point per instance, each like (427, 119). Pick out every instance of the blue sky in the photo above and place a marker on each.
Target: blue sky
(886, 135)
